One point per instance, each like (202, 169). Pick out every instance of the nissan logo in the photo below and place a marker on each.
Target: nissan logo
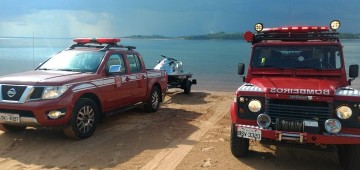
(11, 92)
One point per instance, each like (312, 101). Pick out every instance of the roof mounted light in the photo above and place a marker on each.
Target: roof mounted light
(259, 27)
(248, 36)
(335, 24)
(97, 40)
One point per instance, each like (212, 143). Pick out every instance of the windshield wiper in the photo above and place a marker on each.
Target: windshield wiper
(65, 69)
(45, 69)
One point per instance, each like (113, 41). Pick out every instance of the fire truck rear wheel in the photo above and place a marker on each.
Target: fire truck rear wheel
(11, 128)
(239, 146)
(84, 119)
(349, 156)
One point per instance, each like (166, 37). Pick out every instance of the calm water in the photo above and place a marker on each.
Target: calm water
(213, 62)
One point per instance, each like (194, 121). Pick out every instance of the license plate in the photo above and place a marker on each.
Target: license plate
(249, 133)
(311, 123)
(9, 117)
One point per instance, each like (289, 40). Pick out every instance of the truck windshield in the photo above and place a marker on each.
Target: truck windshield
(79, 61)
(293, 57)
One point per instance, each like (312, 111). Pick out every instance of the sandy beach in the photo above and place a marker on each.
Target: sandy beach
(188, 132)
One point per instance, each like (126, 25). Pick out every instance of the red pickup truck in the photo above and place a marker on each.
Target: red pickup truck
(76, 87)
(296, 92)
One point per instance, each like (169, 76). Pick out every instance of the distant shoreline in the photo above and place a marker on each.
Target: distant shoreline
(212, 36)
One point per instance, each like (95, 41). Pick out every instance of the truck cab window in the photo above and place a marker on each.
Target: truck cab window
(134, 62)
(116, 59)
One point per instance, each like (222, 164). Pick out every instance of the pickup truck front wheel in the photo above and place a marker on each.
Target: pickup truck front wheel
(349, 156)
(83, 121)
(239, 146)
(11, 128)
(152, 104)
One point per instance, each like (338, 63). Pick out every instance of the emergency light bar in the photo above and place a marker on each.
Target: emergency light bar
(97, 40)
(293, 33)
(97, 43)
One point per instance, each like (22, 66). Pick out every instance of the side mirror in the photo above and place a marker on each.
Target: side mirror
(353, 72)
(115, 69)
(241, 68)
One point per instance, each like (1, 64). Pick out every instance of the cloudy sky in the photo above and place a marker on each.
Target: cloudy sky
(108, 18)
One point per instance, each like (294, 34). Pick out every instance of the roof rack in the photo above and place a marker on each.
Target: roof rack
(102, 47)
(296, 36)
(97, 43)
(294, 33)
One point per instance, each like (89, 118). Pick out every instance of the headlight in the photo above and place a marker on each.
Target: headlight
(344, 112)
(254, 106)
(52, 92)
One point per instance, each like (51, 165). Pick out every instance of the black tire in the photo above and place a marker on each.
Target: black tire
(239, 146)
(187, 87)
(153, 102)
(83, 120)
(349, 156)
(11, 128)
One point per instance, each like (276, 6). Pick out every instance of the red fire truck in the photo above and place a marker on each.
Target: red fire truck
(296, 91)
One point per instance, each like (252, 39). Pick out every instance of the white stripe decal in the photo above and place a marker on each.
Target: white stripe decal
(250, 88)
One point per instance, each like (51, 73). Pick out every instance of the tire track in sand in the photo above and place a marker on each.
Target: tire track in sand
(176, 151)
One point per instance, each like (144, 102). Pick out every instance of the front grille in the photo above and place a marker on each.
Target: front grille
(12, 93)
(37, 93)
(297, 110)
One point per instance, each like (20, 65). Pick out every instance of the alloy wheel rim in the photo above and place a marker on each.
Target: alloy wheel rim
(85, 119)
(155, 99)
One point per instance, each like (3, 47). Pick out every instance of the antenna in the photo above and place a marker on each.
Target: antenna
(33, 51)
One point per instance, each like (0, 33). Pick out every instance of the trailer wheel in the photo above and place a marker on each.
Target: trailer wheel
(11, 128)
(349, 156)
(83, 120)
(239, 146)
(187, 86)
(153, 102)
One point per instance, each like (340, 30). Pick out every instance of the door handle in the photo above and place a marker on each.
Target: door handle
(127, 79)
(142, 77)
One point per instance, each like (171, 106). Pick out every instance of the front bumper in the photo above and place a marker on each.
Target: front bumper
(302, 137)
(34, 113)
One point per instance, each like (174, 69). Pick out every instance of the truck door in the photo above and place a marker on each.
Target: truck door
(138, 77)
(116, 90)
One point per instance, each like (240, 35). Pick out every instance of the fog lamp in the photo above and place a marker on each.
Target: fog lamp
(335, 24)
(263, 120)
(241, 99)
(54, 114)
(332, 126)
(254, 106)
(344, 112)
(259, 27)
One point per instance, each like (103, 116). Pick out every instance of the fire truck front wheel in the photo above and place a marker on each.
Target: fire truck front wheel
(349, 156)
(239, 146)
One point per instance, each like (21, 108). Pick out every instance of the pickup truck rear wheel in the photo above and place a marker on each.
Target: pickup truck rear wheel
(83, 121)
(11, 128)
(152, 104)
(239, 146)
(349, 156)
